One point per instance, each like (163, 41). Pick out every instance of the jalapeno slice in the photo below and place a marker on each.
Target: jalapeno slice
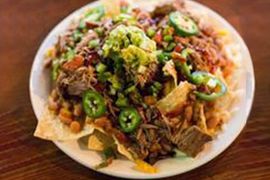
(183, 25)
(93, 104)
(183, 61)
(211, 81)
(184, 65)
(129, 119)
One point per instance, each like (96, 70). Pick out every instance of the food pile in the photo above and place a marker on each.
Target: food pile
(151, 81)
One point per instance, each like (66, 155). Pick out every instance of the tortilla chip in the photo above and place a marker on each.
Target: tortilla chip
(123, 150)
(94, 143)
(51, 128)
(120, 147)
(99, 141)
(173, 103)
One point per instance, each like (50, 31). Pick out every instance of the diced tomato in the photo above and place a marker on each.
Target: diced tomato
(178, 48)
(74, 64)
(158, 37)
(213, 69)
(65, 116)
(181, 40)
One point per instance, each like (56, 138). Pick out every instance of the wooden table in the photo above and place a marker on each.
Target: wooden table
(23, 26)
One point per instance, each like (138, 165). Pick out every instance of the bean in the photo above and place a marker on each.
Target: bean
(65, 116)
(75, 126)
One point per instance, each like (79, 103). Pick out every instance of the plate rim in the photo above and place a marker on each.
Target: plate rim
(249, 104)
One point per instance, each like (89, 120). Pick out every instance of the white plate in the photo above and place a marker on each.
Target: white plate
(39, 90)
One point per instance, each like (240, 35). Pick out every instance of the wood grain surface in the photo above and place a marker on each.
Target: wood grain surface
(23, 26)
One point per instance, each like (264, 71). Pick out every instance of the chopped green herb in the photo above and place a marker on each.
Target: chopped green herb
(121, 101)
(171, 46)
(115, 82)
(100, 67)
(99, 31)
(130, 89)
(93, 43)
(168, 38)
(103, 77)
(163, 57)
(150, 32)
(124, 17)
(77, 36)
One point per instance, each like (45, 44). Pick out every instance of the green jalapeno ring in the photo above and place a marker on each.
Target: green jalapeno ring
(200, 77)
(129, 119)
(183, 25)
(93, 104)
(184, 66)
